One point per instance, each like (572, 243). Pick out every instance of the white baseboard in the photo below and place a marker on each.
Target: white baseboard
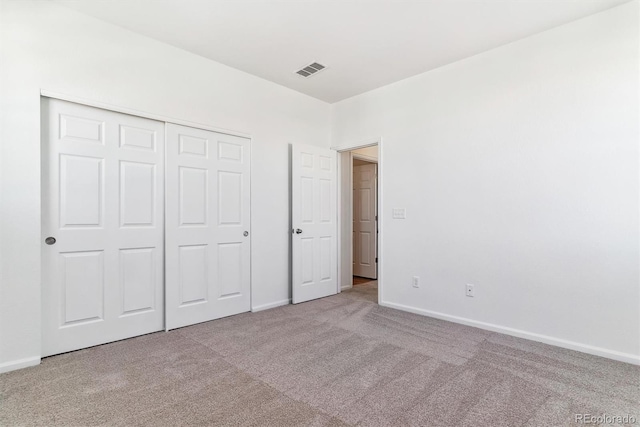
(270, 305)
(558, 342)
(19, 364)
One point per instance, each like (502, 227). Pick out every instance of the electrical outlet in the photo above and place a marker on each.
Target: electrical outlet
(471, 291)
(415, 282)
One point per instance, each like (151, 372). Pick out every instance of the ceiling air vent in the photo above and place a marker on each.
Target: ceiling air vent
(310, 69)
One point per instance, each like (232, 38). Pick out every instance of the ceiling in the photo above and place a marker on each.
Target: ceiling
(365, 44)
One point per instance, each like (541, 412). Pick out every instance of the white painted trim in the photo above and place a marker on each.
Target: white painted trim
(251, 221)
(164, 229)
(381, 214)
(368, 142)
(349, 219)
(270, 305)
(19, 364)
(139, 113)
(558, 342)
(349, 147)
(340, 286)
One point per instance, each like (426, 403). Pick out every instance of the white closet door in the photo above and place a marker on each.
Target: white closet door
(207, 229)
(364, 221)
(314, 219)
(102, 202)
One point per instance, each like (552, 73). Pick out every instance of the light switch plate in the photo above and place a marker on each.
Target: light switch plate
(399, 213)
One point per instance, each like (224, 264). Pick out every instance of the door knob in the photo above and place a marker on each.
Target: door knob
(298, 231)
(50, 240)
(245, 234)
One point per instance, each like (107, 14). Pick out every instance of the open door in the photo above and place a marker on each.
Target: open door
(314, 221)
(365, 219)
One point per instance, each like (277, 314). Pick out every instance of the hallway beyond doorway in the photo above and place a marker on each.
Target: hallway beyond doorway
(364, 288)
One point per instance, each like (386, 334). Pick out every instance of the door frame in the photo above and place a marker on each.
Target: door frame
(349, 147)
(140, 113)
(44, 93)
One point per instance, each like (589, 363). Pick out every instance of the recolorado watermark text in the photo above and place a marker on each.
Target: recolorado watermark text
(605, 419)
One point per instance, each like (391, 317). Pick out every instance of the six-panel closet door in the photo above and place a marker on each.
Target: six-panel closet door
(207, 225)
(102, 218)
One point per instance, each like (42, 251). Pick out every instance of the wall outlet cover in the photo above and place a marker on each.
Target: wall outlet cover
(470, 292)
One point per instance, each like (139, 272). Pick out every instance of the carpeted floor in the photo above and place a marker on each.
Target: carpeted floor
(336, 361)
(366, 290)
(361, 280)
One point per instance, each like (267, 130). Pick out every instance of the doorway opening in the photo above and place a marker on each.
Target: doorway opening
(359, 221)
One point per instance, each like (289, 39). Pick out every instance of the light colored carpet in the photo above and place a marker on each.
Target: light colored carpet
(336, 361)
(367, 290)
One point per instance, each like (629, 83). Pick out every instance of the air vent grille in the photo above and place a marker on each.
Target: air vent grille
(310, 69)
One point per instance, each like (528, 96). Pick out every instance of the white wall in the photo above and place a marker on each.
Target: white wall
(50, 47)
(519, 171)
(518, 168)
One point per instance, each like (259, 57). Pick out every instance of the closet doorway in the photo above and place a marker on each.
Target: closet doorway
(104, 255)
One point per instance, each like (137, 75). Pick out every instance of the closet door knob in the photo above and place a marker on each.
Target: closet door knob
(50, 240)
(246, 233)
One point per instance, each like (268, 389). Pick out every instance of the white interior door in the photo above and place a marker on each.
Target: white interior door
(314, 219)
(102, 202)
(365, 221)
(208, 251)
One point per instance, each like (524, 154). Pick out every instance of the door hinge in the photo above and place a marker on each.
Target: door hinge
(376, 260)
